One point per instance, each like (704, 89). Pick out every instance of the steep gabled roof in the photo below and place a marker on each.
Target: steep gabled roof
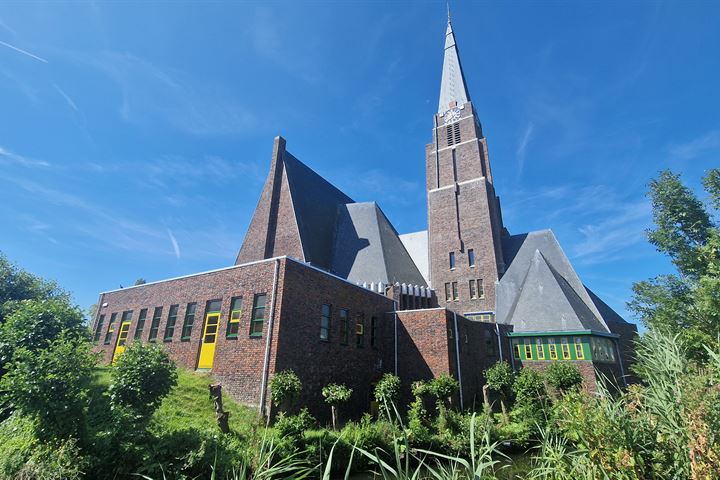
(452, 85)
(540, 290)
(367, 248)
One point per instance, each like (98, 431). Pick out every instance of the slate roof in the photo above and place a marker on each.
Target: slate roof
(452, 85)
(540, 290)
(416, 244)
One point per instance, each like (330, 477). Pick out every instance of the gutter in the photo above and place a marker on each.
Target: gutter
(268, 342)
(457, 358)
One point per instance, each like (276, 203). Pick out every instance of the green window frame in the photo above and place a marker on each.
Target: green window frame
(170, 325)
(98, 328)
(344, 326)
(110, 329)
(258, 315)
(373, 331)
(155, 324)
(360, 330)
(189, 322)
(140, 324)
(325, 314)
(234, 321)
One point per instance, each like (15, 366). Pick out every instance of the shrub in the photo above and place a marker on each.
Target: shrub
(387, 389)
(443, 387)
(61, 460)
(51, 386)
(293, 426)
(285, 387)
(335, 395)
(500, 379)
(140, 378)
(17, 442)
(563, 376)
(529, 387)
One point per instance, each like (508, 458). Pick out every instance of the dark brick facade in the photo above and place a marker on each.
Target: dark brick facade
(463, 214)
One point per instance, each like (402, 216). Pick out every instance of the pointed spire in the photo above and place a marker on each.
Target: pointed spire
(452, 87)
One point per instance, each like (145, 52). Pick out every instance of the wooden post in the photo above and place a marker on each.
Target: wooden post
(486, 396)
(221, 415)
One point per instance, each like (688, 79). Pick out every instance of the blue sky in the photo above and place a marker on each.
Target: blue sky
(135, 137)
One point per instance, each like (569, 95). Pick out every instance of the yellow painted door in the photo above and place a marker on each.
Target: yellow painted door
(209, 338)
(122, 339)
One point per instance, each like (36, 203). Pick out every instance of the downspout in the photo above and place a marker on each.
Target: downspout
(497, 332)
(396, 336)
(268, 341)
(457, 357)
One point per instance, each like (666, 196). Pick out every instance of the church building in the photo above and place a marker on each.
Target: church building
(326, 286)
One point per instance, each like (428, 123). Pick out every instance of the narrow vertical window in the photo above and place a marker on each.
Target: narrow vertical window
(480, 288)
(344, 326)
(140, 324)
(471, 257)
(516, 349)
(454, 165)
(110, 329)
(552, 348)
(189, 322)
(455, 291)
(258, 315)
(456, 132)
(157, 314)
(528, 351)
(98, 328)
(373, 331)
(170, 325)
(452, 260)
(449, 132)
(579, 353)
(325, 312)
(473, 290)
(540, 349)
(360, 331)
(448, 295)
(565, 348)
(235, 314)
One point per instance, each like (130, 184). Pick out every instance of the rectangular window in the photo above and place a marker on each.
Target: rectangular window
(127, 316)
(540, 349)
(98, 328)
(516, 349)
(141, 324)
(480, 288)
(565, 348)
(473, 290)
(373, 331)
(344, 326)
(452, 260)
(579, 353)
(325, 313)
(213, 306)
(552, 348)
(471, 257)
(455, 291)
(258, 315)
(235, 314)
(528, 351)
(170, 326)
(448, 295)
(110, 329)
(189, 321)
(360, 331)
(157, 314)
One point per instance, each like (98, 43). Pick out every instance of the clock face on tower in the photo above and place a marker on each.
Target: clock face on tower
(451, 115)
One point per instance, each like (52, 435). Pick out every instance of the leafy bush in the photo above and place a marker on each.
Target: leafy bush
(51, 386)
(563, 376)
(17, 285)
(17, 442)
(335, 395)
(61, 460)
(140, 378)
(387, 389)
(294, 425)
(285, 387)
(529, 387)
(500, 379)
(443, 387)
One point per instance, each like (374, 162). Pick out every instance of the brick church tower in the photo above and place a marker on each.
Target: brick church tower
(464, 218)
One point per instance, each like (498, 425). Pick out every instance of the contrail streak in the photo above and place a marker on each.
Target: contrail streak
(23, 52)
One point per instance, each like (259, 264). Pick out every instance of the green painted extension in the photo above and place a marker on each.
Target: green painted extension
(563, 346)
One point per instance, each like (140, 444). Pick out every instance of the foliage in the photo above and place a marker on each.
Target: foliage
(387, 389)
(563, 376)
(17, 442)
(51, 386)
(529, 387)
(17, 285)
(284, 387)
(141, 377)
(443, 386)
(293, 426)
(500, 378)
(335, 394)
(61, 460)
(140, 281)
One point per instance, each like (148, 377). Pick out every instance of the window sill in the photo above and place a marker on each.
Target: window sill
(167, 340)
(185, 339)
(325, 340)
(256, 335)
(231, 336)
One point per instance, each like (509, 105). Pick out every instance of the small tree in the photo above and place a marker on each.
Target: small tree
(140, 281)
(443, 387)
(529, 388)
(563, 376)
(285, 386)
(141, 377)
(51, 386)
(335, 395)
(500, 379)
(387, 390)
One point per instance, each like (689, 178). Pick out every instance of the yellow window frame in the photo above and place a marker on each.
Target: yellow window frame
(528, 351)
(552, 348)
(579, 352)
(540, 349)
(516, 349)
(565, 348)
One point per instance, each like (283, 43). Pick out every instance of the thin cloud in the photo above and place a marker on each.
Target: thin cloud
(173, 240)
(697, 147)
(8, 157)
(67, 98)
(24, 52)
(522, 146)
